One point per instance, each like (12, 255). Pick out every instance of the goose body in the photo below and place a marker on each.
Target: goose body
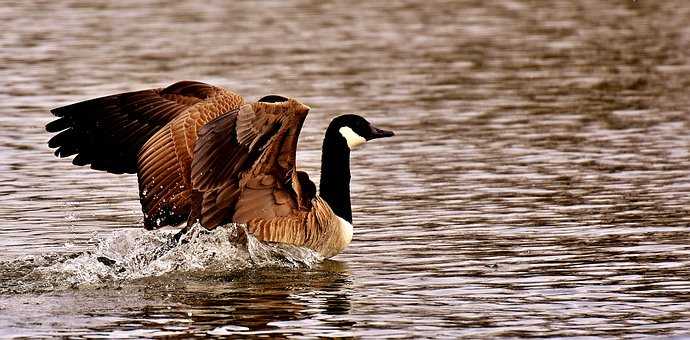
(201, 153)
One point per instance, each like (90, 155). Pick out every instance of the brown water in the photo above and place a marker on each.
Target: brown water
(538, 185)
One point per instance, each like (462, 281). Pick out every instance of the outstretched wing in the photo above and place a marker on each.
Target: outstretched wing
(108, 132)
(151, 133)
(244, 162)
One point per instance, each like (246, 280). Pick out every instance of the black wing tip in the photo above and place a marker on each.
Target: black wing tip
(111, 166)
(58, 111)
(64, 151)
(86, 106)
(54, 142)
(63, 111)
(81, 160)
(57, 125)
(66, 114)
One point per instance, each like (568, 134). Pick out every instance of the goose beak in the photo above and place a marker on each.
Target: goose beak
(379, 133)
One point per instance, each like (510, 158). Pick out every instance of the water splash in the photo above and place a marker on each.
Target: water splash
(126, 255)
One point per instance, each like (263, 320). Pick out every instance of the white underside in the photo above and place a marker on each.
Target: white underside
(346, 232)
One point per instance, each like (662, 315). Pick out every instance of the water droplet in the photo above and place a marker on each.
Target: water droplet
(71, 216)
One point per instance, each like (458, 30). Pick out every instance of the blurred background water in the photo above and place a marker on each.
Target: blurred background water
(538, 185)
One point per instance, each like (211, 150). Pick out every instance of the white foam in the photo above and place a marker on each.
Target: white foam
(136, 253)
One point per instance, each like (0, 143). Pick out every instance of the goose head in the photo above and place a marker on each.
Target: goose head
(354, 130)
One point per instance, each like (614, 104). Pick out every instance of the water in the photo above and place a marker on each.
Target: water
(538, 184)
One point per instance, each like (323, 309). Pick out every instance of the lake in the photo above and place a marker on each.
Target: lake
(538, 183)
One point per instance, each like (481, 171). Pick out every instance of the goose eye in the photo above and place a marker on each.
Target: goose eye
(273, 99)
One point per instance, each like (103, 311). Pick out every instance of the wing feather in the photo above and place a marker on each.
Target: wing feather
(218, 159)
(149, 132)
(108, 132)
(171, 202)
(238, 154)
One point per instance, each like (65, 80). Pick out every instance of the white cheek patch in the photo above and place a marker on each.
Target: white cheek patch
(353, 139)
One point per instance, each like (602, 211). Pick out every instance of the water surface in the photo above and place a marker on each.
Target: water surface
(538, 184)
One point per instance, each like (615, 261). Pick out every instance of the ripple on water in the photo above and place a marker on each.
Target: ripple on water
(538, 183)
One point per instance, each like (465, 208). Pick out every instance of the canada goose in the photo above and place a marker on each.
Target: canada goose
(202, 154)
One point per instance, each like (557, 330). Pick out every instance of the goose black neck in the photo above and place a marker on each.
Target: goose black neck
(335, 174)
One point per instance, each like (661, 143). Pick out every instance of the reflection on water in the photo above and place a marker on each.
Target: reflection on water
(252, 303)
(538, 183)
